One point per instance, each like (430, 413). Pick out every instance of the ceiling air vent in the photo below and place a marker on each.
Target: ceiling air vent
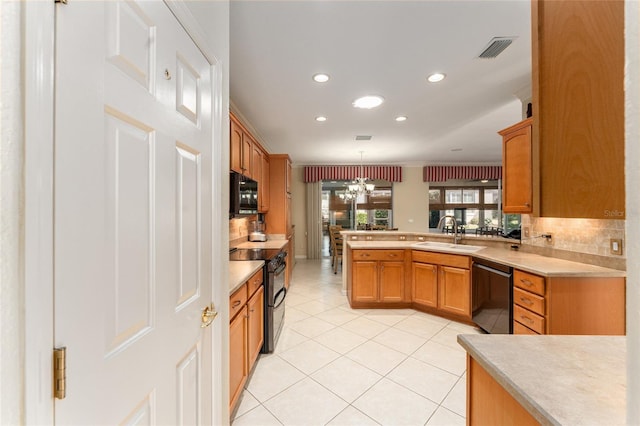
(363, 138)
(495, 47)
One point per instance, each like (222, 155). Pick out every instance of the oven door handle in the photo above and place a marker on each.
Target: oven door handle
(493, 271)
(280, 269)
(283, 292)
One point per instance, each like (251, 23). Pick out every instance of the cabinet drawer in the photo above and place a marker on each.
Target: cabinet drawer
(378, 255)
(528, 300)
(237, 301)
(529, 282)
(521, 329)
(529, 319)
(454, 260)
(254, 282)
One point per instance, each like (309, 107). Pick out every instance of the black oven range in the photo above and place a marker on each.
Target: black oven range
(274, 290)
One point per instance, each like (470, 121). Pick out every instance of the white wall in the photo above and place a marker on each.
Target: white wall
(11, 216)
(411, 201)
(632, 173)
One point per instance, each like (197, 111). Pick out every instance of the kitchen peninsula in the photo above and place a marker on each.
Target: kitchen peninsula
(393, 269)
(548, 380)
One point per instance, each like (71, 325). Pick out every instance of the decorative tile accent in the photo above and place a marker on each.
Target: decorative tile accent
(580, 240)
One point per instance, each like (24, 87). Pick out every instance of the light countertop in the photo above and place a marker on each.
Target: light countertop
(241, 271)
(529, 262)
(559, 380)
(269, 244)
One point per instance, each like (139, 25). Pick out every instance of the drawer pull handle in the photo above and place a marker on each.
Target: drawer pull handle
(366, 255)
(527, 301)
(236, 304)
(392, 255)
(526, 282)
(529, 320)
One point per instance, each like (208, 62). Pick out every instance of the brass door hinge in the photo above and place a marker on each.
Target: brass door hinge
(60, 372)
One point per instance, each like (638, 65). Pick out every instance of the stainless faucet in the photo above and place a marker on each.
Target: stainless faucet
(456, 237)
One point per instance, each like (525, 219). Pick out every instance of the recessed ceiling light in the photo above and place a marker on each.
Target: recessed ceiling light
(321, 118)
(368, 102)
(401, 118)
(321, 78)
(436, 77)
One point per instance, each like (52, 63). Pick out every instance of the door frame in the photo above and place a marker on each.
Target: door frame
(39, 113)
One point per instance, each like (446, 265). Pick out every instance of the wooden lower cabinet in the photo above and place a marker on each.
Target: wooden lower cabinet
(246, 333)
(568, 305)
(488, 403)
(454, 291)
(424, 284)
(378, 277)
(238, 353)
(442, 283)
(255, 333)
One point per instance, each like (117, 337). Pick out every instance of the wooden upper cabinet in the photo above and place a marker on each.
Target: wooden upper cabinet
(278, 217)
(517, 192)
(263, 189)
(235, 154)
(578, 108)
(243, 151)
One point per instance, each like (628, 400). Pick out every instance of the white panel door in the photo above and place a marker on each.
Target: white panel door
(133, 173)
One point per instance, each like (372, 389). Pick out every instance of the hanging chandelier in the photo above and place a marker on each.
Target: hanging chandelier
(360, 185)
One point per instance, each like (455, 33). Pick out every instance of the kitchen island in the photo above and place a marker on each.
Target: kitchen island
(557, 380)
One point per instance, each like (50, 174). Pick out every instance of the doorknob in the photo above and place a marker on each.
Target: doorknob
(208, 315)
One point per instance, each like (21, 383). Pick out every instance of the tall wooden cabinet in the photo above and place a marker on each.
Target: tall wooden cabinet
(278, 218)
(517, 190)
(578, 108)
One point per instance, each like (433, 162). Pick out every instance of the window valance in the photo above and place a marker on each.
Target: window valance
(443, 173)
(318, 173)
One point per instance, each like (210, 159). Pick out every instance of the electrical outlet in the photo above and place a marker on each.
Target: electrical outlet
(549, 238)
(616, 246)
(526, 231)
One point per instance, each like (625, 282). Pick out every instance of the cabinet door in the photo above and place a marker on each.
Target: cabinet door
(255, 307)
(454, 291)
(365, 281)
(288, 177)
(424, 285)
(238, 365)
(264, 187)
(235, 156)
(247, 154)
(516, 160)
(391, 281)
(578, 107)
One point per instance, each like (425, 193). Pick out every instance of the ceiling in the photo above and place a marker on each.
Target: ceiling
(385, 48)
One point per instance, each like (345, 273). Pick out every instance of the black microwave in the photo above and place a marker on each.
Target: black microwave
(243, 195)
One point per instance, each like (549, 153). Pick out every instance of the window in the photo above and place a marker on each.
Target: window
(475, 207)
(373, 210)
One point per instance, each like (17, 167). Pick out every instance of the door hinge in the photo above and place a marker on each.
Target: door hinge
(60, 372)
(62, 1)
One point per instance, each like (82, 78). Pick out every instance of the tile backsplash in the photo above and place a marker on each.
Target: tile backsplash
(581, 240)
(239, 230)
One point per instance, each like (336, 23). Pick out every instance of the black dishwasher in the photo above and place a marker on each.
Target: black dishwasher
(492, 296)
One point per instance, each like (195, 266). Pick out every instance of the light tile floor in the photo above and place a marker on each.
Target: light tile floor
(334, 365)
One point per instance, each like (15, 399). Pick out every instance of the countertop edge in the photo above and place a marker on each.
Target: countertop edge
(503, 380)
(502, 256)
(240, 271)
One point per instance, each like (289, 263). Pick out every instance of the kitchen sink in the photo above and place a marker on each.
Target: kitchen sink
(448, 247)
